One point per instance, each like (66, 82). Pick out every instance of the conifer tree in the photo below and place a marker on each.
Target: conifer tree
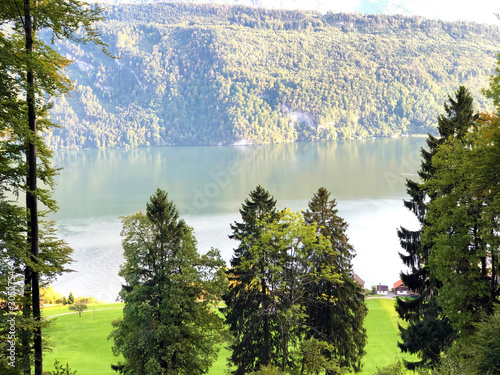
(287, 248)
(464, 245)
(335, 308)
(168, 326)
(428, 332)
(248, 304)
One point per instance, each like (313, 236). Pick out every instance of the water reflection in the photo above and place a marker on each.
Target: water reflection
(118, 182)
(208, 185)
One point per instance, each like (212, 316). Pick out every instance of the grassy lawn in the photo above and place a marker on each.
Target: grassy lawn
(60, 309)
(220, 365)
(381, 325)
(82, 342)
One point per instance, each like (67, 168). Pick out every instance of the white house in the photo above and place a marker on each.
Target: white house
(400, 289)
(382, 289)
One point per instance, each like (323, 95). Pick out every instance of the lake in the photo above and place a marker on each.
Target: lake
(208, 185)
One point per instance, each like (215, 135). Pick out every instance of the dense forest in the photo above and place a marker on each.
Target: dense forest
(281, 4)
(189, 74)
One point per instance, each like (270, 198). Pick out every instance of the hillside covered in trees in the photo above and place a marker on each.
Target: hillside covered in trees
(213, 74)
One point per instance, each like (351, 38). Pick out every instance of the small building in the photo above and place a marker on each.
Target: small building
(400, 289)
(359, 280)
(382, 289)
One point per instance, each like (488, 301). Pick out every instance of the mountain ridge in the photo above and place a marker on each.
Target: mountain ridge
(482, 12)
(213, 74)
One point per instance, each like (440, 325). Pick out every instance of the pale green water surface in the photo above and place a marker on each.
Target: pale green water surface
(208, 185)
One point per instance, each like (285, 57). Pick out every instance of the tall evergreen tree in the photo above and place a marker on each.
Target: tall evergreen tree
(463, 239)
(168, 326)
(248, 304)
(335, 308)
(428, 332)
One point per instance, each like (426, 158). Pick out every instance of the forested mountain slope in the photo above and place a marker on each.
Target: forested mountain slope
(320, 5)
(214, 74)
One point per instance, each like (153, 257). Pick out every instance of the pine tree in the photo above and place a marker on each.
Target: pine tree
(248, 304)
(168, 326)
(335, 308)
(71, 298)
(428, 332)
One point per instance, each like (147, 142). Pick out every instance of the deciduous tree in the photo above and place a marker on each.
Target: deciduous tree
(78, 307)
(281, 261)
(286, 247)
(460, 231)
(33, 70)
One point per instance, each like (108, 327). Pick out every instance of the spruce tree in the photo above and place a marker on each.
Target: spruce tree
(335, 307)
(428, 332)
(280, 257)
(248, 305)
(168, 325)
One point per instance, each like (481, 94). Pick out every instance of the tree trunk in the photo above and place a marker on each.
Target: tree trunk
(31, 199)
(494, 282)
(284, 359)
(267, 329)
(26, 333)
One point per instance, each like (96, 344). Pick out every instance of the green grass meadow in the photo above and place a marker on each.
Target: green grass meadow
(381, 325)
(82, 342)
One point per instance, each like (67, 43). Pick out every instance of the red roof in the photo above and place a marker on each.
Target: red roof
(398, 283)
(359, 280)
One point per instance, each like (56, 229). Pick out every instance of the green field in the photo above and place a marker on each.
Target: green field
(381, 325)
(82, 342)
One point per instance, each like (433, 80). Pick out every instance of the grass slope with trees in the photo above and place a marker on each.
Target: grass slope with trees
(83, 343)
(212, 74)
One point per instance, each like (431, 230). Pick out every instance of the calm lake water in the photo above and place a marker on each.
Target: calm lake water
(208, 185)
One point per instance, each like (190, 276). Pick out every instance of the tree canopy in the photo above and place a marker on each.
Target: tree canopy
(32, 72)
(292, 302)
(335, 308)
(429, 331)
(168, 324)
